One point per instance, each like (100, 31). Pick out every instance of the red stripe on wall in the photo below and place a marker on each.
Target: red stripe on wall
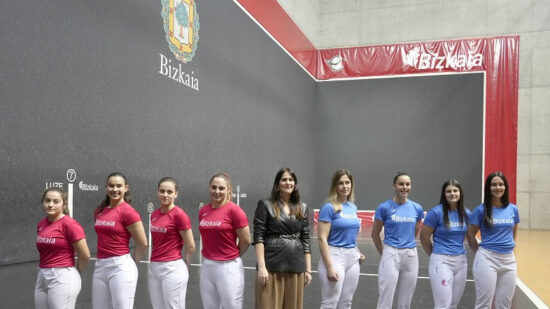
(276, 21)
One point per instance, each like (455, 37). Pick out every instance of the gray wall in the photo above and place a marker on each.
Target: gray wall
(428, 126)
(80, 89)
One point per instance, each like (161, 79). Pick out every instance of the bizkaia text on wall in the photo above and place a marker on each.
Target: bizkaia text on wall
(427, 61)
(177, 74)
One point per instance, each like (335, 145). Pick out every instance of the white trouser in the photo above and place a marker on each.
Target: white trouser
(398, 269)
(222, 284)
(495, 278)
(56, 288)
(168, 284)
(339, 294)
(448, 279)
(114, 283)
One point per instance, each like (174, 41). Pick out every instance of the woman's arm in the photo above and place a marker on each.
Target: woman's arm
(189, 243)
(376, 229)
(305, 239)
(307, 274)
(138, 234)
(426, 239)
(323, 229)
(82, 253)
(260, 223)
(472, 241)
(263, 275)
(417, 228)
(244, 239)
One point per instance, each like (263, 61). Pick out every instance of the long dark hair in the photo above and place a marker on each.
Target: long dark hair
(488, 197)
(294, 203)
(63, 197)
(106, 201)
(462, 216)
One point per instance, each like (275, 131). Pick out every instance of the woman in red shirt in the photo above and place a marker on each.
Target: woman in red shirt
(222, 223)
(115, 275)
(170, 231)
(59, 236)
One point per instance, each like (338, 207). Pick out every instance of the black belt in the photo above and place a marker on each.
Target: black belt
(285, 236)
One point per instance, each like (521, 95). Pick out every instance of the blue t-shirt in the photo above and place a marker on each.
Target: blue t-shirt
(499, 238)
(399, 222)
(447, 240)
(344, 225)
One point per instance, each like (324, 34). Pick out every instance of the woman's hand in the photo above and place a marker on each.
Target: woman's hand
(307, 278)
(332, 275)
(375, 235)
(263, 275)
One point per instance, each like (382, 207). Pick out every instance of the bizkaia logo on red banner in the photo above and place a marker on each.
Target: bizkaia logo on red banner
(426, 61)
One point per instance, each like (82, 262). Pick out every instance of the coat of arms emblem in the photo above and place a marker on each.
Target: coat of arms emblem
(181, 25)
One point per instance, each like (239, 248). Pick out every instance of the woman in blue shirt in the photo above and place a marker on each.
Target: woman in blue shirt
(494, 266)
(447, 223)
(398, 267)
(337, 233)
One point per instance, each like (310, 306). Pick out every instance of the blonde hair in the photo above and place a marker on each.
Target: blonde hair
(227, 179)
(333, 192)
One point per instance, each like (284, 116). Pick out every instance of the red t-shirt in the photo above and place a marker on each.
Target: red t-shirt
(110, 225)
(217, 227)
(55, 241)
(165, 234)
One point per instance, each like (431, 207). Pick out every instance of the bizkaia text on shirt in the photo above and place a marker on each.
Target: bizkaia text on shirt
(503, 221)
(397, 218)
(105, 223)
(45, 240)
(210, 223)
(158, 229)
